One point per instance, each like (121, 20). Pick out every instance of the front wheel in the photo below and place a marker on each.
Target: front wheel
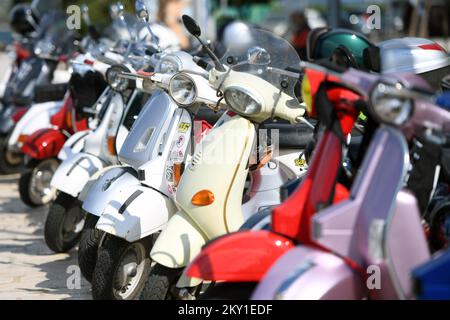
(34, 185)
(229, 291)
(160, 284)
(88, 248)
(64, 223)
(121, 269)
(10, 161)
(440, 226)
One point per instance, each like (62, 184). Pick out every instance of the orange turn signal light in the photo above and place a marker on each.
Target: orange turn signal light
(178, 168)
(203, 198)
(112, 145)
(22, 138)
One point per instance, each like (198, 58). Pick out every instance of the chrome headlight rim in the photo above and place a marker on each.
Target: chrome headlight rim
(124, 84)
(381, 88)
(188, 78)
(173, 60)
(246, 92)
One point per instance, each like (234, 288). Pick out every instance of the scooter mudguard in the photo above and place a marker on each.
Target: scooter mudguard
(180, 242)
(73, 145)
(93, 180)
(44, 143)
(6, 121)
(305, 273)
(35, 118)
(135, 212)
(108, 186)
(253, 252)
(74, 172)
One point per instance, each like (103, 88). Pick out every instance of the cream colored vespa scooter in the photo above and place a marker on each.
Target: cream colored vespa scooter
(256, 85)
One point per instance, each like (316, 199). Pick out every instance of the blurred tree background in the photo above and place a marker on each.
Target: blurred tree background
(98, 9)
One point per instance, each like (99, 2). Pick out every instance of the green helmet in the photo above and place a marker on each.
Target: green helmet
(344, 47)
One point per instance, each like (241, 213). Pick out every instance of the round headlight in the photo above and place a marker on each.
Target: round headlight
(169, 64)
(182, 89)
(116, 82)
(241, 101)
(388, 107)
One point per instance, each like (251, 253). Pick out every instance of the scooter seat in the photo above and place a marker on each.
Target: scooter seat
(291, 136)
(208, 115)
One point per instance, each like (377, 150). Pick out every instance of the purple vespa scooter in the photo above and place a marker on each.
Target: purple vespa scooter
(375, 238)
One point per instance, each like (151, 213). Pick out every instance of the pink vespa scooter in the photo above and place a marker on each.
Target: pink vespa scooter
(370, 242)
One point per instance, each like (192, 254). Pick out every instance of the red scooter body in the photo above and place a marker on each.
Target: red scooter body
(46, 143)
(247, 256)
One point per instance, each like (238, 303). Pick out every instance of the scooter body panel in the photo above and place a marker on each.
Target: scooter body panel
(37, 117)
(73, 145)
(250, 261)
(110, 185)
(136, 213)
(221, 159)
(179, 242)
(305, 273)
(44, 143)
(74, 172)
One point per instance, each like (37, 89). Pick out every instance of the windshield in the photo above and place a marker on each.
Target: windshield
(267, 56)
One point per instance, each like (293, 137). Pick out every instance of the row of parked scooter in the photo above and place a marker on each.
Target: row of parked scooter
(182, 175)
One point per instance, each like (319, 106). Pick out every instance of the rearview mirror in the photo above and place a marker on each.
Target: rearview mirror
(141, 10)
(191, 26)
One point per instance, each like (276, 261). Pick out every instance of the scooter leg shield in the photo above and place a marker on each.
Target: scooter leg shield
(305, 273)
(239, 257)
(135, 213)
(113, 183)
(73, 173)
(73, 145)
(179, 243)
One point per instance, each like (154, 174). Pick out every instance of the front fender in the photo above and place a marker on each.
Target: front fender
(73, 145)
(44, 143)
(111, 184)
(306, 273)
(35, 118)
(135, 212)
(239, 257)
(177, 245)
(74, 172)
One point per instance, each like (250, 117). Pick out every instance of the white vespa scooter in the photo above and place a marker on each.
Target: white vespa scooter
(135, 202)
(211, 196)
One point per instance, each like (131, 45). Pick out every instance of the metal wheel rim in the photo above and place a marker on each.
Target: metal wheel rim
(40, 190)
(137, 254)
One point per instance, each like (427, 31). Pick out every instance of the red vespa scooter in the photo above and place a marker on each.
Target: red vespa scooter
(42, 148)
(253, 252)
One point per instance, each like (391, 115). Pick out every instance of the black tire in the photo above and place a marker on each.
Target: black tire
(160, 283)
(6, 167)
(58, 232)
(88, 248)
(26, 180)
(439, 212)
(229, 291)
(105, 284)
(24, 187)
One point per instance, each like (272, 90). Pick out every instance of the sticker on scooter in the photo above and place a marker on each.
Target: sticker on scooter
(180, 141)
(184, 127)
(169, 174)
(300, 162)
